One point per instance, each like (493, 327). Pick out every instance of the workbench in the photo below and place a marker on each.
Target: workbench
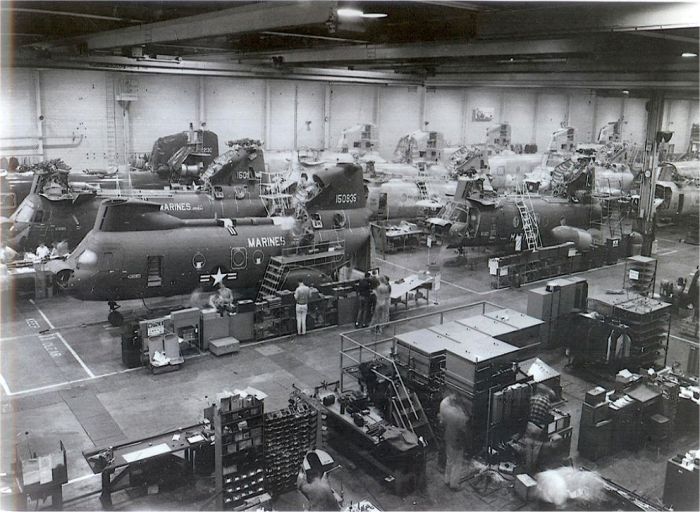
(401, 288)
(127, 456)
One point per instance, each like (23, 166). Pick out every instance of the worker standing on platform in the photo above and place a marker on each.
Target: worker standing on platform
(364, 292)
(302, 295)
(381, 311)
(455, 421)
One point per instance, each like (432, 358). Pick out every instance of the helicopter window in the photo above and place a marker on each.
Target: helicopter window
(457, 214)
(154, 270)
(24, 214)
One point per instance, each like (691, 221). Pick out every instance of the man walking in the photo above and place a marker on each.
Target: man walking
(301, 295)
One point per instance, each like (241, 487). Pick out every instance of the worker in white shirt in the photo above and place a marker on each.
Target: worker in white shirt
(301, 296)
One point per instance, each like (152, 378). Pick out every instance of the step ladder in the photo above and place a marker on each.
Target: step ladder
(274, 275)
(531, 230)
(423, 192)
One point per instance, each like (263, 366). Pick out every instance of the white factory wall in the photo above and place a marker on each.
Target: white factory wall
(233, 109)
(444, 112)
(550, 115)
(519, 109)
(398, 114)
(581, 112)
(310, 114)
(76, 102)
(165, 105)
(350, 105)
(18, 106)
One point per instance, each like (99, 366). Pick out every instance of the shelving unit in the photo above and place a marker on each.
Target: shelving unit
(290, 434)
(239, 460)
(640, 274)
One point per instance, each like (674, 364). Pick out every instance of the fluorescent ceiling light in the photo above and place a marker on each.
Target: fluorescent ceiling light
(350, 13)
(689, 54)
(345, 12)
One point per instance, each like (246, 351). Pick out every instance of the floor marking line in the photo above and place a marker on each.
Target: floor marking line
(75, 381)
(4, 385)
(19, 337)
(667, 253)
(75, 354)
(63, 340)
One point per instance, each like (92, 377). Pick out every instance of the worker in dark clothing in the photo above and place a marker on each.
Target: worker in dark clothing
(364, 292)
(536, 437)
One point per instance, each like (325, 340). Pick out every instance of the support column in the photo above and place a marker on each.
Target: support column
(267, 116)
(327, 92)
(655, 109)
(594, 118)
(464, 117)
(421, 108)
(533, 137)
(39, 114)
(296, 117)
(202, 107)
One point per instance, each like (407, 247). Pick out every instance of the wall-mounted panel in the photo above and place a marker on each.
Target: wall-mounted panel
(74, 105)
(310, 114)
(282, 107)
(550, 114)
(581, 112)
(398, 115)
(234, 108)
(443, 112)
(519, 111)
(484, 101)
(165, 105)
(350, 105)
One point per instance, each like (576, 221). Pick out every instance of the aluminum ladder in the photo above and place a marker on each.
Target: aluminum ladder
(530, 227)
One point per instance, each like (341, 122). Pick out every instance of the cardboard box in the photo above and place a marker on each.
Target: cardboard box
(525, 486)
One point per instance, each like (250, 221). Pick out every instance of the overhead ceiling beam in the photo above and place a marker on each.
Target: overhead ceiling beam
(236, 20)
(588, 80)
(205, 68)
(370, 53)
(585, 17)
(70, 14)
(666, 36)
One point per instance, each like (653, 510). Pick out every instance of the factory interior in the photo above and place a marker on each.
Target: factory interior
(349, 255)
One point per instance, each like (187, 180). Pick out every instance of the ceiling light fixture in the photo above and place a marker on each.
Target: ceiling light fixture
(688, 54)
(345, 12)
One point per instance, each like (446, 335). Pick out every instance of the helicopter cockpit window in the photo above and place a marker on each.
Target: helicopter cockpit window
(454, 213)
(24, 214)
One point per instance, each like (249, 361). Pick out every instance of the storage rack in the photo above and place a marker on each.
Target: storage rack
(239, 461)
(290, 434)
(640, 274)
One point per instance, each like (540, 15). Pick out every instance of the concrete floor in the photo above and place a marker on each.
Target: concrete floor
(62, 379)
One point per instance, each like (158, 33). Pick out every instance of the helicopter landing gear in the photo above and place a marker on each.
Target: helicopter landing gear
(114, 317)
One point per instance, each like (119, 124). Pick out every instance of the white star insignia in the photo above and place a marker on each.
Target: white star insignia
(218, 277)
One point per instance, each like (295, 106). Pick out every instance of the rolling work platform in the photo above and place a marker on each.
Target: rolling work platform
(317, 256)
